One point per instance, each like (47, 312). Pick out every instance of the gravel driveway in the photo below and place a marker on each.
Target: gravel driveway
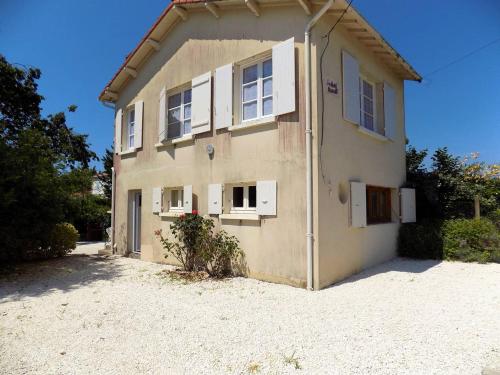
(111, 315)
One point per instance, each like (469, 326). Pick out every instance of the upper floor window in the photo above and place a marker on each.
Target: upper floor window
(257, 90)
(130, 128)
(179, 114)
(367, 103)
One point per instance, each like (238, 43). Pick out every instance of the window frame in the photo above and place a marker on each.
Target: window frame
(384, 213)
(130, 125)
(260, 86)
(180, 199)
(246, 206)
(362, 80)
(182, 91)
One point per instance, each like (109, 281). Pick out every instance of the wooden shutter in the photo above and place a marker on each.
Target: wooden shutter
(139, 111)
(118, 130)
(358, 204)
(266, 197)
(188, 199)
(284, 77)
(201, 106)
(162, 115)
(156, 200)
(350, 88)
(215, 199)
(408, 211)
(224, 96)
(389, 111)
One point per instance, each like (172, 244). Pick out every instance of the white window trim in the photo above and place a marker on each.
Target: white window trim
(180, 200)
(182, 135)
(130, 134)
(245, 209)
(361, 103)
(259, 62)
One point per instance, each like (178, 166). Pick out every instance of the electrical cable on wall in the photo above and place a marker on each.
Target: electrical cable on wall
(327, 36)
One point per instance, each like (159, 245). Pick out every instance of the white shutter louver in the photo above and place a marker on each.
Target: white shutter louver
(224, 96)
(408, 211)
(358, 204)
(162, 118)
(188, 199)
(215, 199)
(390, 111)
(156, 200)
(118, 131)
(284, 77)
(350, 88)
(139, 111)
(201, 87)
(266, 197)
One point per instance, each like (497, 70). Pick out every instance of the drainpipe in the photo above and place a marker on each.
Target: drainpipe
(309, 176)
(113, 177)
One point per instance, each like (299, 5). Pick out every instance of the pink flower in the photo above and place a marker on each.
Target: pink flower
(158, 232)
(182, 216)
(195, 212)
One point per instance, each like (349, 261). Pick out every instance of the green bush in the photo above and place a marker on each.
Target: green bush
(471, 240)
(494, 216)
(62, 239)
(421, 240)
(198, 248)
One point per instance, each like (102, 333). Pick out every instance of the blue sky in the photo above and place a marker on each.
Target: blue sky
(78, 45)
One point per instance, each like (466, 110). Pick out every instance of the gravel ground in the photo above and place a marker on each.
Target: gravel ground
(110, 315)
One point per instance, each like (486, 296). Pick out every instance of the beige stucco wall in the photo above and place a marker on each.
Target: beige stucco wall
(275, 249)
(349, 155)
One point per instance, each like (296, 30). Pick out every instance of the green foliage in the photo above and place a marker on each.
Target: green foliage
(471, 240)
(198, 248)
(63, 239)
(421, 240)
(106, 176)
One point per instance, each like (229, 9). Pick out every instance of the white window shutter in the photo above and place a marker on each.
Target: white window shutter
(389, 111)
(201, 103)
(358, 204)
(139, 110)
(156, 200)
(224, 96)
(188, 199)
(408, 210)
(350, 88)
(162, 115)
(284, 77)
(266, 197)
(118, 130)
(215, 199)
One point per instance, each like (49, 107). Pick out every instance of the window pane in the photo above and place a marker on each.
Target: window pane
(187, 111)
(131, 116)
(267, 106)
(174, 100)
(174, 202)
(252, 196)
(131, 129)
(187, 96)
(250, 74)
(250, 92)
(367, 89)
(187, 127)
(368, 121)
(174, 130)
(267, 68)
(267, 87)
(181, 199)
(174, 115)
(131, 142)
(368, 105)
(250, 110)
(238, 196)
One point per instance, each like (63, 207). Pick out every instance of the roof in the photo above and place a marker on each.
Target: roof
(178, 10)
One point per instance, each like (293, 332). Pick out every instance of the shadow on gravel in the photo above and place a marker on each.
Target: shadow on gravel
(396, 265)
(64, 274)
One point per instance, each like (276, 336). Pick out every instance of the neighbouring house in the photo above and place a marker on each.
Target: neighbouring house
(97, 185)
(291, 137)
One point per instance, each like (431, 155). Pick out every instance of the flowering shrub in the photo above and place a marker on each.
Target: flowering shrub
(198, 248)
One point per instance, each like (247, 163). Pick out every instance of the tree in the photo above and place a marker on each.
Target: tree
(106, 176)
(35, 154)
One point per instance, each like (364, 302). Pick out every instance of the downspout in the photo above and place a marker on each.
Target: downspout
(309, 176)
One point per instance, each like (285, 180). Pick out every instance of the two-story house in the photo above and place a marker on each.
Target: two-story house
(282, 120)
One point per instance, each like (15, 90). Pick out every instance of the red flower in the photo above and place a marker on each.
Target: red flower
(195, 212)
(158, 232)
(182, 216)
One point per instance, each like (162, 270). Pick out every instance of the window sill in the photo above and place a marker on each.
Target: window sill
(128, 152)
(171, 214)
(253, 124)
(242, 216)
(373, 134)
(183, 139)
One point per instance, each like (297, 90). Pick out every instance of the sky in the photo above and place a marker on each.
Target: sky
(79, 45)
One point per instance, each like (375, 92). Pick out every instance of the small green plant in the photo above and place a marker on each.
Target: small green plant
(62, 239)
(292, 360)
(471, 240)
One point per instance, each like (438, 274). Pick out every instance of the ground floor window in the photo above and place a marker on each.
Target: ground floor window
(176, 198)
(244, 198)
(378, 205)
